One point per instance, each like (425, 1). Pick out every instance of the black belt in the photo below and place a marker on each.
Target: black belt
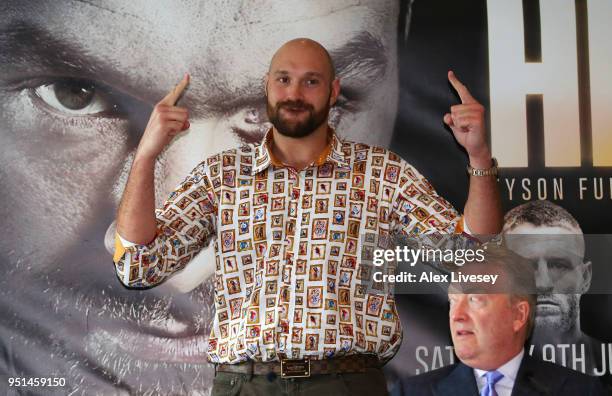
(291, 368)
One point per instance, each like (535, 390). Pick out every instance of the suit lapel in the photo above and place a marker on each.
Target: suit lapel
(460, 382)
(532, 379)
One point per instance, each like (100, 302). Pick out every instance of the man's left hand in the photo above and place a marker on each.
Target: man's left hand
(466, 120)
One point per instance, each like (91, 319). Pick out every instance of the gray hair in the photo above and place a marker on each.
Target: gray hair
(540, 213)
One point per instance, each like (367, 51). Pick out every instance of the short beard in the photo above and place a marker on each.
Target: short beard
(297, 129)
(565, 324)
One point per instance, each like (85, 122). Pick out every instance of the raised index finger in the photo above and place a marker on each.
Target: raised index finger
(464, 94)
(176, 92)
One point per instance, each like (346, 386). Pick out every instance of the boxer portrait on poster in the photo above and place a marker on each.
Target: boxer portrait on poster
(79, 81)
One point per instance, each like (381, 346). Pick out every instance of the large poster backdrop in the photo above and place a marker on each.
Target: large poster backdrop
(78, 83)
(537, 66)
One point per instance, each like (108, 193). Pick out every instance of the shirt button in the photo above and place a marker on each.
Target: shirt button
(233, 381)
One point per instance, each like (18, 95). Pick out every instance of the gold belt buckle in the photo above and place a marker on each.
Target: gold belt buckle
(292, 368)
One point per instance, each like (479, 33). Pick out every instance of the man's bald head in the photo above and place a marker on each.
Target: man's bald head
(301, 88)
(308, 47)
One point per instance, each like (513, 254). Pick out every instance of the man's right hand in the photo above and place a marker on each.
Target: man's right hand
(166, 121)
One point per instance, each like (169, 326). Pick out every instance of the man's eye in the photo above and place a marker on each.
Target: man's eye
(283, 80)
(312, 82)
(76, 97)
(475, 299)
(560, 264)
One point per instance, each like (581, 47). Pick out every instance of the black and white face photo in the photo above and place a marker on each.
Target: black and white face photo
(78, 83)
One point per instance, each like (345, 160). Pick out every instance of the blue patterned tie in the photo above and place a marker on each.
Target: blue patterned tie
(492, 378)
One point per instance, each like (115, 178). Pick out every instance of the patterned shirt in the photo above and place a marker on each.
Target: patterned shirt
(288, 248)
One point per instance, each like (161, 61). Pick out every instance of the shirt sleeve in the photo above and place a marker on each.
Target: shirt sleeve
(185, 225)
(418, 209)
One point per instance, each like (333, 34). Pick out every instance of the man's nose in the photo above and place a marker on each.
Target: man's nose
(458, 312)
(294, 91)
(544, 282)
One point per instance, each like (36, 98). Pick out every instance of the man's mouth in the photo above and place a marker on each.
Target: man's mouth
(546, 301)
(146, 326)
(165, 338)
(164, 359)
(463, 333)
(547, 306)
(155, 348)
(294, 110)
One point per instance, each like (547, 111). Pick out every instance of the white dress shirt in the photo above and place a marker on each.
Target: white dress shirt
(509, 369)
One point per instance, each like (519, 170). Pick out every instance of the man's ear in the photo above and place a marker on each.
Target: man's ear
(586, 272)
(522, 315)
(265, 83)
(335, 91)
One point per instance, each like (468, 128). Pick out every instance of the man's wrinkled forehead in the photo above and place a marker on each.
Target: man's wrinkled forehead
(207, 32)
(539, 242)
(225, 46)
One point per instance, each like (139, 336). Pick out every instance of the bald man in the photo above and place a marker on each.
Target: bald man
(287, 217)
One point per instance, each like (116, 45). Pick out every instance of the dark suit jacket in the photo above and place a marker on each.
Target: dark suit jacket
(534, 378)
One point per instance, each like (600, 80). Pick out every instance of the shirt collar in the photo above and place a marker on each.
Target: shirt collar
(508, 369)
(331, 153)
